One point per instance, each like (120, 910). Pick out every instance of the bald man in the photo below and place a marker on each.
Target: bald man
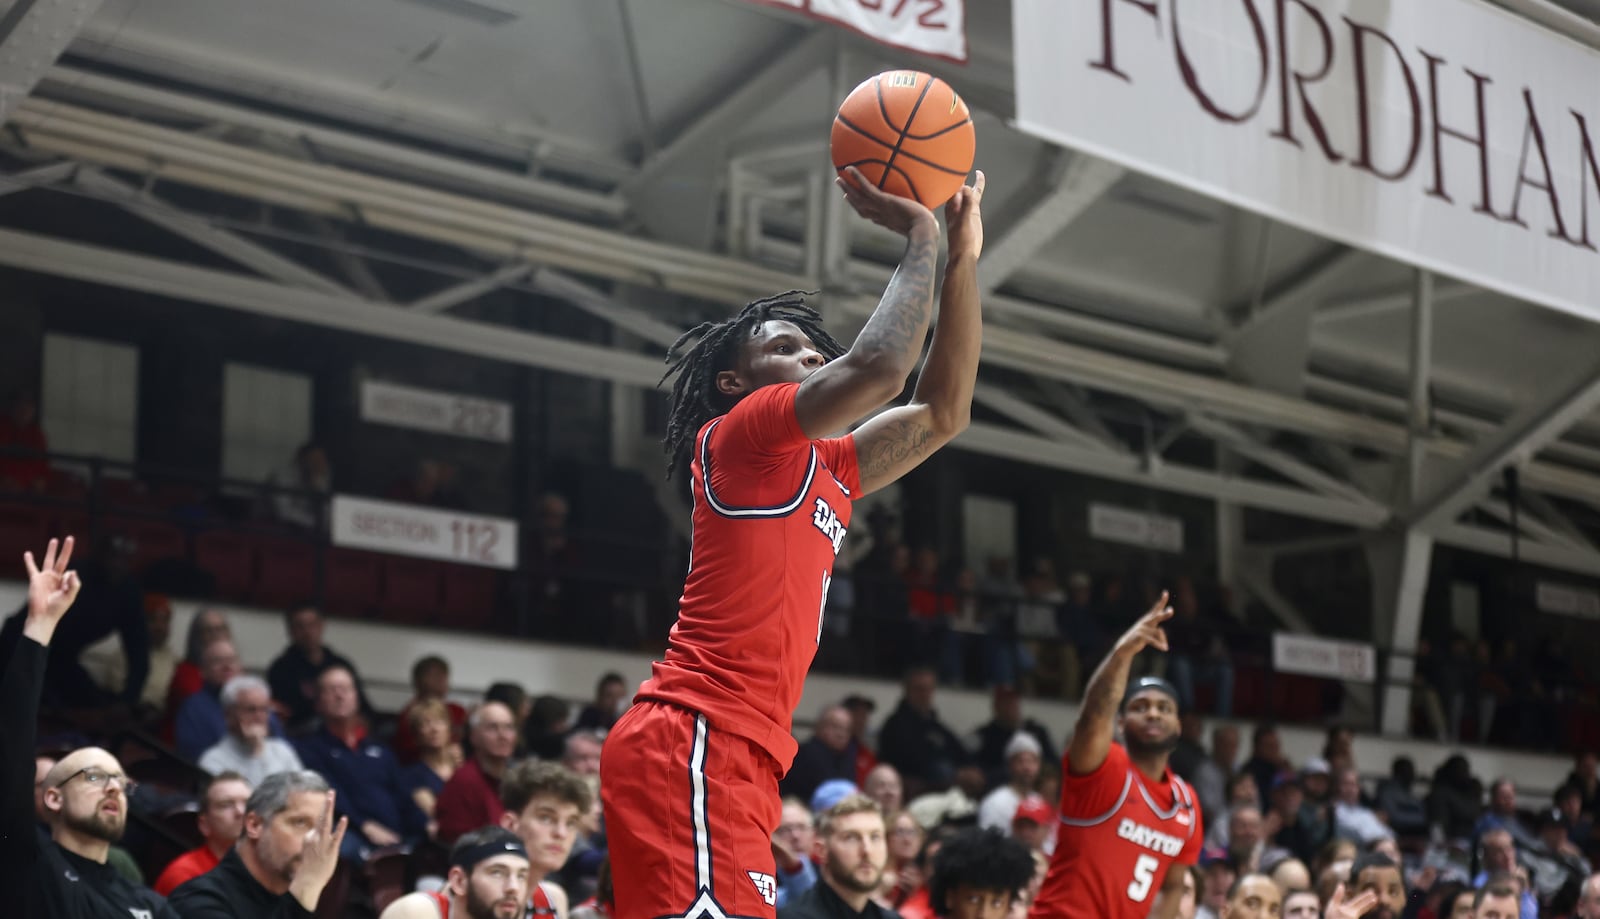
(1253, 896)
(84, 796)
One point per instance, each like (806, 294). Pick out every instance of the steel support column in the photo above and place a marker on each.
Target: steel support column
(1399, 562)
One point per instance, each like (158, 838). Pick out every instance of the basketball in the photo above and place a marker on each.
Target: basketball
(908, 133)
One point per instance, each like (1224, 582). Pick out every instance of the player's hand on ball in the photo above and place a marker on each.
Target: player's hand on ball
(891, 212)
(964, 219)
(1147, 632)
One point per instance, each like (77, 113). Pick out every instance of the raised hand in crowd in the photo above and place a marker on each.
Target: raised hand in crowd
(1340, 908)
(319, 858)
(52, 588)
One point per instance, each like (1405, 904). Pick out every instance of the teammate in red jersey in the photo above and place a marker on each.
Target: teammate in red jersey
(488, 880)
(1125, 817)
(689, 776)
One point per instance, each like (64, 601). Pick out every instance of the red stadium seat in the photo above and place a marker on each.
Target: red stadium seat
(124, 494)
(286, 571)
(350, 582)
(470, 596)
(153, 540)
(22, 528)
(386, 875)
(411, 590)
(230, 559)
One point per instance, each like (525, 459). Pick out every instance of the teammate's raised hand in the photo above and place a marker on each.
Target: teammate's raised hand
(1340, 908)
(892, 212)
(1147, 632)
(51, 589)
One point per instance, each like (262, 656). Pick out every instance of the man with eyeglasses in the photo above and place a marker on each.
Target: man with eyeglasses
(249, 747)
(85, 795)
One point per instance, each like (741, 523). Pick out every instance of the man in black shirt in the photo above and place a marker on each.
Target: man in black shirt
(855, 848)
(280, 865)
(914, 740)
(63, 875)
(293, 674)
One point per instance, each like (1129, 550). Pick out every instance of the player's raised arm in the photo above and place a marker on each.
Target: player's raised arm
(876, 367)
(1091, 738)
(898, 440)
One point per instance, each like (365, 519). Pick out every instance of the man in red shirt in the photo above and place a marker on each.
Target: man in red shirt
(471, 798)
(1125, 817)
(689, 776)
(221, 820)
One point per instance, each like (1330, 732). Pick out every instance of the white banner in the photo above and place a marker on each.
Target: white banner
(440, 412)
(424, 532)
(1135, 528)
(1567, 600)
(1324, 657)
(1449, 134)
(934, 27)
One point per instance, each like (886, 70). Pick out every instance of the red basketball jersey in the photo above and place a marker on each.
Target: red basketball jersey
(1119, 834)
(539, 901)
(770, 512)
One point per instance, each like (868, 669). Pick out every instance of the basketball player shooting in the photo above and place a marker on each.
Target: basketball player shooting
(689, 775)
(1125, 817)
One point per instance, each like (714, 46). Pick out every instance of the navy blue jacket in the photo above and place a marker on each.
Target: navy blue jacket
(368, 781)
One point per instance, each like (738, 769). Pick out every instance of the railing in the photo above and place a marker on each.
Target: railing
(622, 594)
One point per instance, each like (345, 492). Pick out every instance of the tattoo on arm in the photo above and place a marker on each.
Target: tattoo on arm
(900, 322)
(1100, 700)
(900, 442)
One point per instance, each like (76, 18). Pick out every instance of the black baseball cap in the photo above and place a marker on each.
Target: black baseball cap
(1150, 682)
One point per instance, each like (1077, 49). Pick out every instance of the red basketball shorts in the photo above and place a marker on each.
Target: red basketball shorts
(690, 812)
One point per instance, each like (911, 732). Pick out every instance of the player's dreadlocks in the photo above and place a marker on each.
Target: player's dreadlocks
(695, 398)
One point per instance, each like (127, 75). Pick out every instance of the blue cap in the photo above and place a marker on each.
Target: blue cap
(830, 793)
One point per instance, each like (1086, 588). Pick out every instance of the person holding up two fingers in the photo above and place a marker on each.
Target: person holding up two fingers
(1126, 818)
(63, 873)
(282, 862)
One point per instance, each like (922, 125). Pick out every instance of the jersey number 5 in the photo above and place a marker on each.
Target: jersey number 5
(1144, 874)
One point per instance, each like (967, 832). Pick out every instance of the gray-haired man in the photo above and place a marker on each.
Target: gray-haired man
(248, 748)
(280, 865)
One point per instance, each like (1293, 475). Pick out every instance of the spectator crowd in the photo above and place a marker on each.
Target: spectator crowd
(289, 787)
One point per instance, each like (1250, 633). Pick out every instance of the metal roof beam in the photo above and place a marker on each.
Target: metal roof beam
(1096, 461)
(1032, 416)
(1084, 180)
(100, 265)
(227, 244)
(33, 33)
(25, 179)
(1523, 435)
(1498, 544)
(1279, 461)
(753, 95)
(339, 145)
(456, 294)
